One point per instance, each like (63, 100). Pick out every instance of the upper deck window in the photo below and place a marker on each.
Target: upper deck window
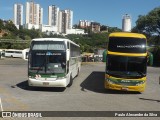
(127, 45)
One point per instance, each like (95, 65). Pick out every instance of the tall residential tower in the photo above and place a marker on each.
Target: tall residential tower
(34, 15)
(18, 15)
(65, 20)
(53, 15)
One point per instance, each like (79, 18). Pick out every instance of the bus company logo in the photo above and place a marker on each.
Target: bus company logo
(57, 54)
(49, 53)
(130, 46)
(40, 53)
(125, 81)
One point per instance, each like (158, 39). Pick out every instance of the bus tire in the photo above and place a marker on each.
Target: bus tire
(70, 82)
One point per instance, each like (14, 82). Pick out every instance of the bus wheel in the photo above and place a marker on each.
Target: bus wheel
(71, 81)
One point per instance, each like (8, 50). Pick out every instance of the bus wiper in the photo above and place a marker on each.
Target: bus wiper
(142, 74)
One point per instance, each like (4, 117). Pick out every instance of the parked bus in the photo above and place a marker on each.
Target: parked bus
(126, 62)
(53, 62)
(13, 53)
(25, 53)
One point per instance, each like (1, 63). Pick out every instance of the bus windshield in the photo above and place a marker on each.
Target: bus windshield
(48, 62)
(48, 57)
(127, 45)
(126, 67)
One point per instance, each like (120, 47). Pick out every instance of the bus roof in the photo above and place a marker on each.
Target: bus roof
(54, 39)
(127, 34)
(12, 50)
(49, 39)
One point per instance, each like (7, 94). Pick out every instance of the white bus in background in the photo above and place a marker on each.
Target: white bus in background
(13, 53)
(53, 62)
(1, 53)
(25, 53)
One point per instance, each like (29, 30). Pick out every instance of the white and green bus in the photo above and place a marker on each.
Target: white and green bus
(53, 62)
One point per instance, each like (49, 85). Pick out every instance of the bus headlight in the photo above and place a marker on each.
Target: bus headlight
(110, 81)
(60, 78)
(140, 83)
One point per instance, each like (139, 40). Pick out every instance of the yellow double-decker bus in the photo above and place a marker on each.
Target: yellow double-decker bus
(126, 63)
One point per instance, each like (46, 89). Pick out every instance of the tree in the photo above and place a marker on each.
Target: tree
(11, 27)
(1, 24)
(114, 29)
(149, 24)
(104, 28)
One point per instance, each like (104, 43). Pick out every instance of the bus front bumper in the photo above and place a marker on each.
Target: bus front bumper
(139, 88)
(47, 83)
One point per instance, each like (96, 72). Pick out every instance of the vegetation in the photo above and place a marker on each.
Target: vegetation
(150, 26)
(91, 42)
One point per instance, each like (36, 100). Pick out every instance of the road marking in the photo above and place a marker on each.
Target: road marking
(1, 105)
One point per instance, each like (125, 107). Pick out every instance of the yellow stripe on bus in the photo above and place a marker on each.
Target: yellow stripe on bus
(127, 34)
(127, 54)
(116, 78)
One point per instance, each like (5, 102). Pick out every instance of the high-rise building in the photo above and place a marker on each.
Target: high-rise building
(53, 15)
(65, 19)
(18, 14)
(69, 19)
(34, 14)
(62, 21)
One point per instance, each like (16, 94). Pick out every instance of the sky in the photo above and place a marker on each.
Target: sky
(105, 12)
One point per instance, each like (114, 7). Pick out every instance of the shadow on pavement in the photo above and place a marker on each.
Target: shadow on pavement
(24, 85)
(149, 99)
(95, 82)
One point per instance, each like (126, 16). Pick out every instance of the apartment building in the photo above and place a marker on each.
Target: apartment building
(53, 15)
(34, 15)
(95, 27)
(84, 23)
(18, 15)
(69, 18)
(59, 21)
(65, 19)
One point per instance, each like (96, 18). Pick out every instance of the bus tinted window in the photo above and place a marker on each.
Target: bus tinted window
(127, 45)
(48, 45)
(18, 52)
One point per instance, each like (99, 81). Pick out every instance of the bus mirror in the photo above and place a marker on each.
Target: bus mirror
(68, 54)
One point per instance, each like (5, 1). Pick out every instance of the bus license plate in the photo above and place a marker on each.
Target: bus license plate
(125, 88)
(45, 83)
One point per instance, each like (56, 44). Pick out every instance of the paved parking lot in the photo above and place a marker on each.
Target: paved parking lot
(86, 94)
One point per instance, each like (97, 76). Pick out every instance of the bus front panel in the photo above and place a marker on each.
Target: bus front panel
(126, 73)
(47, 64)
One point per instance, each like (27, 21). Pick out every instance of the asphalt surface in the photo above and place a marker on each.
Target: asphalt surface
(86, 94)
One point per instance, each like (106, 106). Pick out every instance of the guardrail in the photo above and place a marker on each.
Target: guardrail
(14, 41)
